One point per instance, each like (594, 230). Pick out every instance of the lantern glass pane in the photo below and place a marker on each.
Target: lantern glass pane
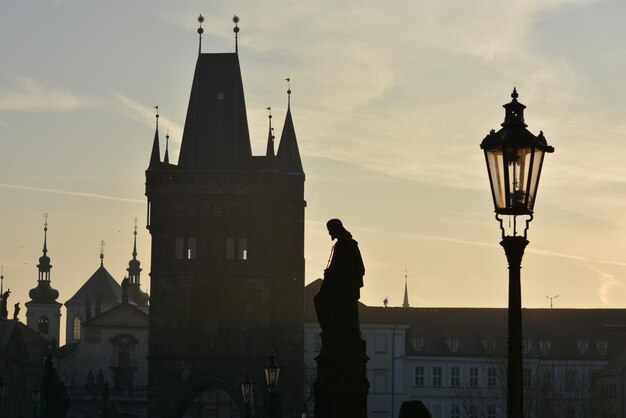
(518, 167)
(533, 182)
(495, 165)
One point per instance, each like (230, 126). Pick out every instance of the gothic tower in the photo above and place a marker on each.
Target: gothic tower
(43, 312)
(227, 274)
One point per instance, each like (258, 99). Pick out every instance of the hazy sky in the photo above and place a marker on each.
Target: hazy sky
(390, 103)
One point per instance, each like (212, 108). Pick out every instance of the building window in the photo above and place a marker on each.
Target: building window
(571, 379)
(602, 346)
(583, 346)
(179, 249)
(317, 344)
(527, 346)
(473, 377)
(472, 412)
(242, 249)
(220, 96)
(437, 376)
(42, 325)
(491, 411)
(544, 346)
(418, 344)
(490, 345)
(76, 328)
(237, 247)
(455, 411)
(191, 248)
(380, 381)
(547, 380)
(453, 344)
(492, 377)
(380, 343)
(455, 376)
(419, 376)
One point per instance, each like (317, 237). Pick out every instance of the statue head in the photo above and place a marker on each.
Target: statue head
(336, 229)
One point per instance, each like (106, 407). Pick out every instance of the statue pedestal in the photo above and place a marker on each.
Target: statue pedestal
(341, 386)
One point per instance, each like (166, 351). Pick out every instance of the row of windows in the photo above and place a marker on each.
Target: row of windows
(186, 249)
(454, 344)
(380, 343)
(436, 376)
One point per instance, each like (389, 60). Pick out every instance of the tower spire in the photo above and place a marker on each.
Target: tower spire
(405, 303)
(155, 157)
(288, 154)
(166, 158)
(270, 135)
(200, 31)
(44, 265)
(288, 79)
(236, 30)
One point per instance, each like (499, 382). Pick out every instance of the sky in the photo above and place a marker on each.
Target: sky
(390, 103)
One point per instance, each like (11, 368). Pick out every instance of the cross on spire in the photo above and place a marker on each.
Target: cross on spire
(102, 253)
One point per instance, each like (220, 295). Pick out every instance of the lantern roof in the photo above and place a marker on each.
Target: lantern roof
(513, 131)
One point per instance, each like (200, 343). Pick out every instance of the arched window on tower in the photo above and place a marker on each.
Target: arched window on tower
(76, 328)
(42, 325)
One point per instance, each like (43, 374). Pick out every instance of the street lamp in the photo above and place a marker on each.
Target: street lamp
(247, 388)
(35, 395)
(514, 158)
(272, 372)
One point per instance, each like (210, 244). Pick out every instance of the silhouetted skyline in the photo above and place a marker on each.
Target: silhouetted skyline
(390, 104)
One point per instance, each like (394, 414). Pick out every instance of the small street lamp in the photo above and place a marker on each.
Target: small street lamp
(247, 390)
(514, 159)
(35, 395)
(272, 372)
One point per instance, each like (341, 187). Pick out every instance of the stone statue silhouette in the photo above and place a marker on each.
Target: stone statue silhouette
(16, 310)
(4, 312)
(336, 304)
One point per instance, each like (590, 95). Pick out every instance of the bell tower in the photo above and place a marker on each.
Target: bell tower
(227, 273)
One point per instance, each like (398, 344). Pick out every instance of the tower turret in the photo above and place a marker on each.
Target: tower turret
(134, 276)
(43, 312)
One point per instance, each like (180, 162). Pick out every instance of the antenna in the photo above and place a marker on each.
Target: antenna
(551, 299)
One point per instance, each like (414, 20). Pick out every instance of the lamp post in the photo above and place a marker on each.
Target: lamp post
(514, 158)
(35, 395)
(247, 390)
(272, 372)
(2, 388)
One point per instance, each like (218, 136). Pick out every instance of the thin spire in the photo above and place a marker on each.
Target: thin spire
(405, 304)
(270, 135)
(288, 79)
(44, 265)
(288, 155)
(135, 241)
(236, 30)
(200, 31)
(166, 158)
(155, 157)
(45, 233)
(102, 253)
(1, 279)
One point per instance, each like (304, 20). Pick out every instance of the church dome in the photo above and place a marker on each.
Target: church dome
(43, 293)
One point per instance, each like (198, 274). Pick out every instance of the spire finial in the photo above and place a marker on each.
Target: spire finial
(200, 31)
(135, 243)
(45, 233)
(157, 116)
(270, 135)
(288, 80)
(1, 279)
(236, 30)
(102, 253)
(514, 95)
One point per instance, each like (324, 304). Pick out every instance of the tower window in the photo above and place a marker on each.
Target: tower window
(220, 96)
(179, 249)
(230, 248)
(76, 328)
(182, 251)
(243, 249)
(191, 248)
(237, 247)
(42, 326)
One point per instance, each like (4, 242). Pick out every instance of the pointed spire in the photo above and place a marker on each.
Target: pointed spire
(155, 158)
(134, 269)
(166, 158)
(288, 154)
(405, 303)
(200, 31)
(44, 265)
(236, 30)
(102, 253)
(270, 136)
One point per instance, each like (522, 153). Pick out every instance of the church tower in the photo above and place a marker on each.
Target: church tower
(227, 273)
(43, 312)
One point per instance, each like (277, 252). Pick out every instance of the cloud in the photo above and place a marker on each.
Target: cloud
(34, 96)
(146, 114)
(607, 283)
(70, 193)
